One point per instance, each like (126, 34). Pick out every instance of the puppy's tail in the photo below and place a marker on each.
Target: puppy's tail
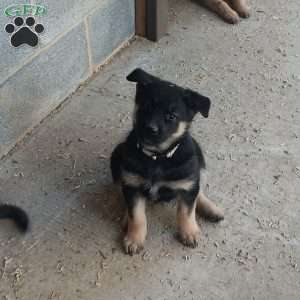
(18, 215)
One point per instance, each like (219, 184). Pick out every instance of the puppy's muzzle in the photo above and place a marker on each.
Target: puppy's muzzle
(152, 129)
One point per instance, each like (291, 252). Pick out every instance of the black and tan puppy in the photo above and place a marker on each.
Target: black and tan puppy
(160, 161)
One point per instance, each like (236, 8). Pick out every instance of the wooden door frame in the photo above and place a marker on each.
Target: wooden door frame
(151, 18)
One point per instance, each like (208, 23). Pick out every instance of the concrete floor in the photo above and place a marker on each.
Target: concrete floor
(60, 174)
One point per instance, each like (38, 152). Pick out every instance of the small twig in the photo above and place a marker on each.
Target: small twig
(98, 280)
(4, 267)
(74, 166)
(82, 140)
(102, 254)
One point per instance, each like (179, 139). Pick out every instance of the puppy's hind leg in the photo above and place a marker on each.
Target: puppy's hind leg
(207, 209)
(241, 7)
(223, 9)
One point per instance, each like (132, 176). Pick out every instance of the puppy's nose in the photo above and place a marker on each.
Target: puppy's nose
(152, 129)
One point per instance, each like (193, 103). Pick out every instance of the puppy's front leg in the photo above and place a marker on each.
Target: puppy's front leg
(136, 223)
(188, 228)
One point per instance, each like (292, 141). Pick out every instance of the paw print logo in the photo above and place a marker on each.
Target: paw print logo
(24, 32)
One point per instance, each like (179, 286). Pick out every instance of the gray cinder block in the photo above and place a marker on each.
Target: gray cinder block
(64, 14)
(40, 86)
(110, 25)
(10, 58)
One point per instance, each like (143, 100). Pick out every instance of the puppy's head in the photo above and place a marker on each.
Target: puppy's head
(163, 111)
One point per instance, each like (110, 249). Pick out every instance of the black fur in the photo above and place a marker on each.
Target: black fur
(161, 108)
(15, 213)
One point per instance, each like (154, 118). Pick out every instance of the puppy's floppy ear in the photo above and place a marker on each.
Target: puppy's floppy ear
(140, 76)
(197, 103)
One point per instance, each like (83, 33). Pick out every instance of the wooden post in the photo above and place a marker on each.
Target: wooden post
(151, 18)
(157, 19)
(140, 17)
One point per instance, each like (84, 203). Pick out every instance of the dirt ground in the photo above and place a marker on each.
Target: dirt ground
(60, 174)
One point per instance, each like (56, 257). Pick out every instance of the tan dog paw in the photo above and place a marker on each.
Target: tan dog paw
(188, 229)
(133, 245)
(189, 237)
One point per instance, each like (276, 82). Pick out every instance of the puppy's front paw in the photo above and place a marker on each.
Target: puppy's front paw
(189, 236)
(133, 245)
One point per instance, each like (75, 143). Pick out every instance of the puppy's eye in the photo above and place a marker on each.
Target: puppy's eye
(170, 117)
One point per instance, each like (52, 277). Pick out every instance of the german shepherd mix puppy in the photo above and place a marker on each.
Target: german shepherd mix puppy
(228, 10)
(160, 161)
(18, 215)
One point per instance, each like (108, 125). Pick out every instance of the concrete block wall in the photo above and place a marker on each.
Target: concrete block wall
(79, 35)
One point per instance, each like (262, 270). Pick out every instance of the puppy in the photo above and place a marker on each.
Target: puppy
(160, 161)
(228, 10)
(16, 214)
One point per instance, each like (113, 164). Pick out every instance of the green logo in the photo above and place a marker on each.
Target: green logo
(25, 10)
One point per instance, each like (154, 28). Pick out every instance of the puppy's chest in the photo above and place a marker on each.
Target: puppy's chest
(157, 183)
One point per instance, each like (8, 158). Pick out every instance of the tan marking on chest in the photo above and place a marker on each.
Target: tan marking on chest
(182, 184)
(132, 179)
(135, 180)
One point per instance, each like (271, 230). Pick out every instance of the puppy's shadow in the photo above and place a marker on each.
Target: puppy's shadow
(105, 201)
(104, 205)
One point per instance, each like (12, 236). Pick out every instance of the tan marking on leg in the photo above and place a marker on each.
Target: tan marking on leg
(187, 224)
(208, 209)
(136, 228)
(241, 7)
(223, 10)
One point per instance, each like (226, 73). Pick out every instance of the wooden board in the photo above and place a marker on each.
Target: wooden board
(157, 19)
(140, 17)
(151, 18)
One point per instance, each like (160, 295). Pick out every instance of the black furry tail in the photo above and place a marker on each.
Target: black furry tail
(15, 213)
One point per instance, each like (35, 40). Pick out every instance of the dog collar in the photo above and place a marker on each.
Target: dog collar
(154, 156)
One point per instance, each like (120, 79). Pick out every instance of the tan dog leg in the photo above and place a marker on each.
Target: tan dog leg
(187, 224)
(241, 7)
(223, 10)
(208, 209)
(136, 228)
